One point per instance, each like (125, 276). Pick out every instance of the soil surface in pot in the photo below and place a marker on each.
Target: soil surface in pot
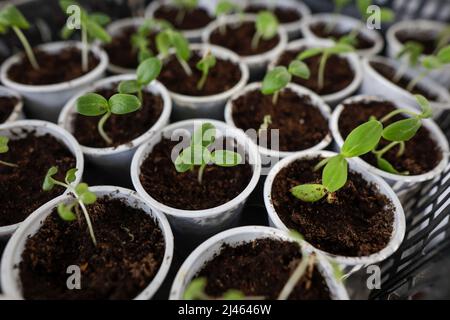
(121, 52)
(197, 18)
(21, 187)
(182, 190)
(422, 154)
(7, 105)
(320, 30)
(261, 268)
(121, 129)
(283, 14)
(130, 249)
(358, 223)
(65, 65)
(238, 38)
(222, 77)
(301, 125)
(427, 38)
(389, 72)
(338, 72)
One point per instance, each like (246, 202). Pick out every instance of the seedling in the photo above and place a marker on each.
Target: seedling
(267, 121)
(83, 198)
(93, 104)
(184, 6)
(170, 38)
(196, 291)
(204, 65)
(197, 154)
(412, 50)
(91, 29)
(4, 149)
(223, 9)
(266, 28)
(147, 71)
(140, 40)
(11, 17)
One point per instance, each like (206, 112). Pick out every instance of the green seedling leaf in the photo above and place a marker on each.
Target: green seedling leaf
(431, 62)
(413, 50)
(299, 69)
(92, 104)
(362, 139)
(309, 192)
(334, 175)
(427, 112)
(363, 5)
(277, 79)
(384, 165)
(87, 197)
(233, 294)
(97, 32)
(124, 103)
(204, 65)
(163, 43)
(148, 70)
(205, 135)
(71, 175)
(444, 55)
(4, 144)
(65, 212)
(225, 7)
(195, 290)
(100, 18)
(226, 158)
(129, 87)
(49, 182)
(266, 25)
(10, 16)
(181, 46)
(340, 48)
(294, 234)
(386, 15)
(402, 130)
(310, 53)
(180, 166)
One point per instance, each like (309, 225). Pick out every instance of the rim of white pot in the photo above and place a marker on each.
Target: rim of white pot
(12, 254)
(55, 47)
(18, 107)
(69, 112)
(208, 249)
(59, 133)
(436, 134)
(316, 101)
(399, 226)
(221, 128)
(346, 22)
(352, 59)
(253, 59)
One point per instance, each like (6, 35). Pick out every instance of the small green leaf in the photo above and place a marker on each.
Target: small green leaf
(362, 139)
(66, 32)
(386, 166)
(163, 43)
(444, 55)
(129, 87)
(195, 290)
(309, 192)
(49, 182)
(88, 198)
(96, 31)
(386, 15)
(266, 25)
(233, 294)
(180, 166)
(275, 80)
(340, 47)
(92, 104)
(427, 112)
(226, 158)
(299, 69)
(402, 130)
(71, 175)
(100, 18)
(196, 155)
(12, 17)
(225, 7)
(431, 63)
(4, 144)
(65, 212)
(310, 53)
(205, 135)
(81, 188)
(124, 103)
(294, 234)
(148, 70)
(181, 46)
(206, 63)
(334, 175)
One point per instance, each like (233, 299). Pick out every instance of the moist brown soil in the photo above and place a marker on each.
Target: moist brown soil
(194, 19)
(21, 187)
(284, 15)
(7, 105)
(222, 77)
(182, 190)
(421, 155)
(358, 223)
(121, 129)
(338, 72)
(238, 38)
(389, 73)
(130, 249)
(54, 68)
(261, 268)
(300, 123)
(320, 30)
(427, 38)
(121, 52)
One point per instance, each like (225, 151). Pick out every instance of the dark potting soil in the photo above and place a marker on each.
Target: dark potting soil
(121, 129)
(130, 249)
(7, 105)
(121, 52)
(338, 72)
(389, 73)
(422, 154)
(193, 19)
(182, 190)
(261, 268)
(222, 77)
(358, 223)
(21, 187)
(54, 68)
(238, 38)
(284, 15)
(300, 123)
(320, 30)
(427, 38)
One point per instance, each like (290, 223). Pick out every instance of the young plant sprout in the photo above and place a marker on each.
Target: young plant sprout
(169, 38)
(91, 29)
(196, 291)
(224, 8)
(140, 40)
(11, 17)
(266, 27)
(197, 154)
(204, 65)
(4, 149)
(184, 6)
(267, 121)
(412, 50)
(147, 71)
(83, 198)
(93, 104)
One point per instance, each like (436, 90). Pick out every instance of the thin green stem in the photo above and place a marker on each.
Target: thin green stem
(416, 80)
(8, 164)
(202, 81)
(381, 152)
(396, 112)
(401, 149)
(187, 69)
(27, 47)
(84, 49)
(88, 220)
(321, 164)
(295, 277)
(322, 65)
(201, 170)
(140, 95)
(255, 41)
(101, 125)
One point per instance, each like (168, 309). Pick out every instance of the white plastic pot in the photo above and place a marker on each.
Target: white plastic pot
(10, 274)
(199, 223)
(235, 237)
(257, 64)
(189, 107)
(117, 159)
(375, 84)
(398, 231)
(45, 101)
(17, 112)
(398, 182)
(333, 98)
(18, 129)
(344, 23)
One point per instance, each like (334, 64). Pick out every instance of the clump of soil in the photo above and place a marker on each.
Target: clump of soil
(130, 249)
(193, 19)
(238, 38)
(283, 14)
(422, 154)
(182, 190)
(358, 223)
(261, 268)
(320, 29)
(65, 65)
(7, 105)
(301, 125)
(121, 129)
(21, 187)
(427, 38)
(222, 77)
